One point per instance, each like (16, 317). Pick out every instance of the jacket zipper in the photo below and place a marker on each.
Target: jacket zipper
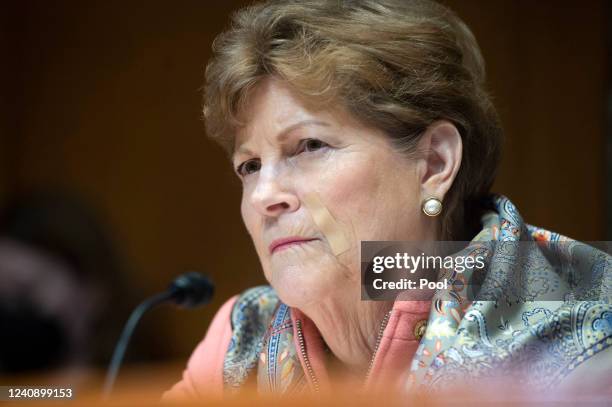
(381, 330)
(311, 373)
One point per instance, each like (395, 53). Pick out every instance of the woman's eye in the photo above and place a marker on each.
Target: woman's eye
(313, 144)
(248, 167)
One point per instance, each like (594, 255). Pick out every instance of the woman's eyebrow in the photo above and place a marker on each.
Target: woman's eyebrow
(303, 123)
(282, 136)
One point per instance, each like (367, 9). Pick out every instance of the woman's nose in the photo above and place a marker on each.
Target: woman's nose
(271, 198)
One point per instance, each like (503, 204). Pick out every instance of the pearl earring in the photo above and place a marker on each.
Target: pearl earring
(432, 206)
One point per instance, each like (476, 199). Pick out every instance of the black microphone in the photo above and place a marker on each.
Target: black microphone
(188, 290)
(191, 290)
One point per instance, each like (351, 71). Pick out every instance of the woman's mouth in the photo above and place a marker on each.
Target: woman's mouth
(286, 242)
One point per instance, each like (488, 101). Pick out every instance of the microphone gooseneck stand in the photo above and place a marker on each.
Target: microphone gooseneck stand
(188, 290)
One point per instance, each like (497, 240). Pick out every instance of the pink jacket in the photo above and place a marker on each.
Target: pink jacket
(397, 344)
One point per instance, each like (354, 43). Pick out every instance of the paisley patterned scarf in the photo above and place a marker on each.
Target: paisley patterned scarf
(542, 309)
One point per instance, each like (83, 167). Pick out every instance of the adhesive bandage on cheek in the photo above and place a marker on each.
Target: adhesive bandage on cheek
(331, 229)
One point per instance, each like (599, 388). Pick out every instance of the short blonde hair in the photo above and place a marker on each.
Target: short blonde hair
(397, 65)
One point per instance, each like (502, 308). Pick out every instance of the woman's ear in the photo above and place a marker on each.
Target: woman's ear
(442, 148)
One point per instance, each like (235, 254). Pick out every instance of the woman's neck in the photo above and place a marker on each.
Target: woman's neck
(350, 329)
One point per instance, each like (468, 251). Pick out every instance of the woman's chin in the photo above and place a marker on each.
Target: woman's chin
(302, 293)
(301, 283)
(304, 274)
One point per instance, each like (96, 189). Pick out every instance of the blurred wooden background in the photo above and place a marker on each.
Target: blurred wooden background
(103, 98)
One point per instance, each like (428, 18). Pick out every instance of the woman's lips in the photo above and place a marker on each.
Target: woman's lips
(280, 244)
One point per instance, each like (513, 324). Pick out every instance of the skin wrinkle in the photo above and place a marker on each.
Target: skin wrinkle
(347, 241)
(372, 191)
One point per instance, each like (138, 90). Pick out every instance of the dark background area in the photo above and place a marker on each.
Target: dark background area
(102, 99)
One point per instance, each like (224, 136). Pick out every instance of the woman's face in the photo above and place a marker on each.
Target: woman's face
(287, 152)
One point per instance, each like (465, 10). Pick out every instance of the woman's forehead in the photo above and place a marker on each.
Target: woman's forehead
(273, 102)
(273, 111)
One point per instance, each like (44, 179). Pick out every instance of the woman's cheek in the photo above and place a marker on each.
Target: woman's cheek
(351, 188)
